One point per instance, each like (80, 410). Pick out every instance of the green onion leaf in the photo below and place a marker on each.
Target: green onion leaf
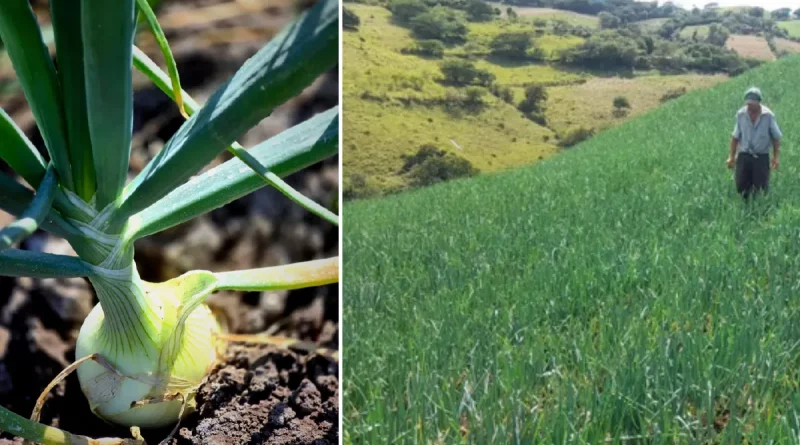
(108, 29)
(23, 40)
(18, 151)
(152, 21)
(286, 277)
(282, 69)
(34, 215)
(66, 16)
(292, 150)
(24, 263)
(161, 80)
(15, 199)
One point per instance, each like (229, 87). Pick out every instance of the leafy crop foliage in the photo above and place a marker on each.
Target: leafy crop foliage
(619, 292)
(144, 350)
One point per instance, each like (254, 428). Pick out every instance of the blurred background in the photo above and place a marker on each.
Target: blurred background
(39, 319)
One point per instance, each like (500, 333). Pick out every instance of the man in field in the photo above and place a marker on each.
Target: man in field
(756, 129)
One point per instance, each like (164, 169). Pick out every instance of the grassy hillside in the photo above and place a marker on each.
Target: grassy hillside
(792, 26)
(574, 18)
(381, 125)
(619, 292)
(394, 101)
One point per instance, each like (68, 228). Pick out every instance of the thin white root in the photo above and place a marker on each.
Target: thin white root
(37, 409)
(177, 425)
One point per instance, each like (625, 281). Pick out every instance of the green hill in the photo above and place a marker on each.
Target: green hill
(395, 102)
(792, 26)
(619, 292)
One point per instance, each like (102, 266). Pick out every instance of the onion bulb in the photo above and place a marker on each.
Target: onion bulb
(160, 341)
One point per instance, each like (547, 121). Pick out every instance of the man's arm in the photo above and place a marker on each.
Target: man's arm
(737, 134)
(775, 133)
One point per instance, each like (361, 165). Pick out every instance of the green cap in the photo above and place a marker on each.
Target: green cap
(753, 94)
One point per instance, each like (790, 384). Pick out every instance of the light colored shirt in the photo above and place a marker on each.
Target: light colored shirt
(756, 137)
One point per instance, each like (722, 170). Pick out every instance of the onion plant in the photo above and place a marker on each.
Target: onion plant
(144, 349)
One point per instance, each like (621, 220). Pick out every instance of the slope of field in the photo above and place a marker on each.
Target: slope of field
(793, 26)
(590, 105)
(750, 47)
(617, 293)
(574, 18)
(789, 46)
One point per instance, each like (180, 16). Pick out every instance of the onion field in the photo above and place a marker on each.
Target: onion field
(620, 292)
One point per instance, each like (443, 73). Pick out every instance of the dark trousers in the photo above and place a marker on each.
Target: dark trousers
(752, 174)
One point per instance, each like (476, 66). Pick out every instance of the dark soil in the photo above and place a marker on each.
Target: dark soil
(259, 394)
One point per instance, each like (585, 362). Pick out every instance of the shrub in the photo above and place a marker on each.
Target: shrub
(503, 93)
(621, 102)
(512, 44)
(673, 94)
(431, 165)
(474, 97)
(440, 23)
(358, 186)
(424, 152)
(461, 72)
(609, 21)
(606, 50)
(574, 136)
(350, 20)
(479, 11)
(426, 48)
(404, 11)
(535, 100)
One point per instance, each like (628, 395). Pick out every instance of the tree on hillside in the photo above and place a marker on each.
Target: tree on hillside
(479, 11)
(350, 20)
(460, 72)
(604, 50)
(512, 44)
(403, 11)
(621, 106)
(797, 13)
(534, 104)
(440, 23)
(782, 14)
(717, 35)
(756, 12)
(512, 15)
(609, 21)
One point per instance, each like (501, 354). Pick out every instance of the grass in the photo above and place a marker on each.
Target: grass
(573, 18)
(688, 32)
(617, 291)
(378, 134)
(750, 47)
(793, 26)
(590, 105)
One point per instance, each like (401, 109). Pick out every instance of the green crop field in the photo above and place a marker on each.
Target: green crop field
(793, 26)
(619, 292)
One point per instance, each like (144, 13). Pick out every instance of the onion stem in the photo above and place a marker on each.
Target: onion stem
(290, 276)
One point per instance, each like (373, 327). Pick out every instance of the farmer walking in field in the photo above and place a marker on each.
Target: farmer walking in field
(755, 131)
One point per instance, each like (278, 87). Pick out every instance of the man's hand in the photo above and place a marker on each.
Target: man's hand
(775, 163)
(730, 162)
